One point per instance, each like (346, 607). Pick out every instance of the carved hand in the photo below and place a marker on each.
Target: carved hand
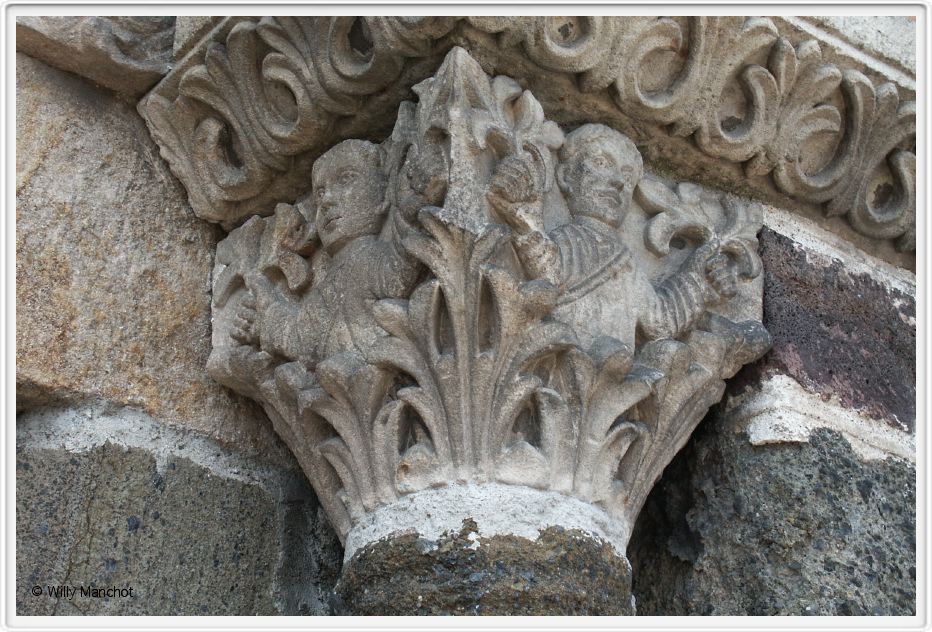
(708, 265)
(515, 193)
(244, 329)
(427, 176)
(721, 275)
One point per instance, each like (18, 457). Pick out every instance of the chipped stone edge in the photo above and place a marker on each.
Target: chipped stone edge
(859, 51)
(830, 246)
(782, 411)
(84, 427)
(496, 508)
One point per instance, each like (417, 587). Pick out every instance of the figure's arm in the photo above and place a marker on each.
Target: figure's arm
(672, 308)
(273, 301)
(393, 270)
(540, 256)
(270, 323)
(516, 195)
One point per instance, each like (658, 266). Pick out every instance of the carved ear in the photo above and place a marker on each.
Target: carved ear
(561, 178)
(385, 206)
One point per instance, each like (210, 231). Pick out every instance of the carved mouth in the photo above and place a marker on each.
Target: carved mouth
(330, 222)
(613, 197)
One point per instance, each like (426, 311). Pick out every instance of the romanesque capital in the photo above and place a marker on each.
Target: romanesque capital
(487, 317)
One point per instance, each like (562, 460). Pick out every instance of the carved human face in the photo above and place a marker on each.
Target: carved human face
(349, 191)
(599, 177)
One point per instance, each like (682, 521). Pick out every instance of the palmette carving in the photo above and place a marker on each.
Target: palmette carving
(483, 298)
(789, 102)
(268, 95)
(243, 127)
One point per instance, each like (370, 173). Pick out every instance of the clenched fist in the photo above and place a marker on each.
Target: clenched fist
(244, 322)
(721, 275)
(713, 266)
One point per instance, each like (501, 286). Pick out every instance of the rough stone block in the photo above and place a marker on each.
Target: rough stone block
(112, 269)
(563, 572)
(812, 529)
(109, 498)
(809, 460)
(127, 54)
(841, 331)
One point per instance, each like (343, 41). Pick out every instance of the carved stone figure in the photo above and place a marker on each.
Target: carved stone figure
(483, 300)
(585, 257)
(357, 266)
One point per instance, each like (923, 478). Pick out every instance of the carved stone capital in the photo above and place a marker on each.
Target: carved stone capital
(243, 119)
(487, 316)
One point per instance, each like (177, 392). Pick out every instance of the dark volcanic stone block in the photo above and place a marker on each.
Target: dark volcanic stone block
(563, 572)
(186, 540)
(837, 333)
(784, 529)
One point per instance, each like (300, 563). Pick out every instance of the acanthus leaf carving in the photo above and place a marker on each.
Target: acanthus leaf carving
(485, 299)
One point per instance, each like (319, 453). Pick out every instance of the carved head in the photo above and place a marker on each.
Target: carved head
(349, 193)
(598, 171)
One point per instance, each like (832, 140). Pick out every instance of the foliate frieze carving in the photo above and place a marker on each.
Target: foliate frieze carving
(485, 298)
(823, 132)
(242, 127)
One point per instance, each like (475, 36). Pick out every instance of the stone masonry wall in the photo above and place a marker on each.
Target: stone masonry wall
(134, 469)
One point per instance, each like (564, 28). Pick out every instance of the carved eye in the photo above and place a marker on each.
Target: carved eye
(600, 162)
(347, 177)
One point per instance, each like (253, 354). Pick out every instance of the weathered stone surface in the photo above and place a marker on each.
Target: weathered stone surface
(767, 512)
(780, 410)
(890, 38)
(783, 529)
(753, 107)
(112, 269)
(796, 496)
(126, 54)
(840, 334)
(563, 572)
(485, 299)
(191, 527)
(329, 69)
(188, 30)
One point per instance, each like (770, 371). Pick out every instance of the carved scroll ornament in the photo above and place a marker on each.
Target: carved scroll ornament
(242, 128)
(483, 298)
